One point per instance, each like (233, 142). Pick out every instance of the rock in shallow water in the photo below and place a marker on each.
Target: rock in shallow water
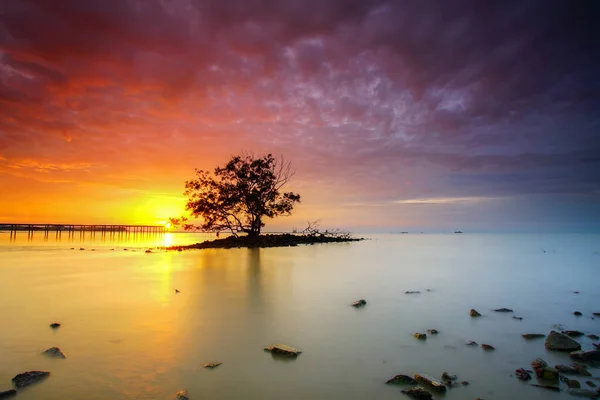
(533, 335)
(401, 380)
(522, 374)
(213, 364)
(553, 388)
(8, 393)
(420, 336)
(471, 343)
(432, 331)
(55, 352)
(573, 333)
(585, 356)
(182, 395)
(27, 378)
(503, 310)
(283, 349)
(539, 363)
(590, 394)
(430, 382)
(487, 347)
(559, 342)
(474, 313)
(418, 393)
(54, 325)
(359, 303)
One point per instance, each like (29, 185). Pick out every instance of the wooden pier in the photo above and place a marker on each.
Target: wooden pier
(72, 229)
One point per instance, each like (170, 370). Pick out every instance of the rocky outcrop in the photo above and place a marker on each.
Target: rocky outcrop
(593, 337)
(503, 310)
(430, 382)
(54, 352)
(401, 380)
(585, 356)
(547, 373)
(487, 347)
(538, 363)
(284, 350)
(213, 364)
(474, 313)
(27, 378)
(8, 393)
(559, 342)
(577, 313)
(573, 333)
(420, 336)
(418, 393)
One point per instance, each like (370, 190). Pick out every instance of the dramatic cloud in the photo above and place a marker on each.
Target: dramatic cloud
(377, 102)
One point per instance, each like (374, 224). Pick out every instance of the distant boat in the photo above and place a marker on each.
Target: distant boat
(458, 232)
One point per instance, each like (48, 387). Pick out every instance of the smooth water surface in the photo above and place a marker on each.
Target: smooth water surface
(128, 334)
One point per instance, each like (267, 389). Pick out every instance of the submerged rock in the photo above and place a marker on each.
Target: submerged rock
(420, 336)
(447, 377)
(522, 374)
(474, 313)
(8, 393)
(503, 310)
(553, 388)
(487, 347)
(213, 364)
(597, 314)
(533, 335)
(471, 343)
(593, 337)
(519, 318)
(401, 380)
(590, 384)
(559, 342)
(55, 352)
(567, 369)
(585, 356)
(573, 333)
(412, 292)
(432, 331)
(572, 383)
(430, 382)
(182, 395)
(590, 394)
(418, 393)
(547, 373)
(359, 303)
(283, 350)
(27, 378)
(577, 313)
(54, 325)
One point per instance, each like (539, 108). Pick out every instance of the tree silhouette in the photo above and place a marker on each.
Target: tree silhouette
(238, 196)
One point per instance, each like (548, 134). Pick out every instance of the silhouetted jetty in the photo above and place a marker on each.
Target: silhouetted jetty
(72, 229)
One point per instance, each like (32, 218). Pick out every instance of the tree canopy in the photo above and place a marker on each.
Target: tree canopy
(238, 197)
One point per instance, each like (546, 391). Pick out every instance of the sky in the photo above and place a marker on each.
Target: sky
(396, 115)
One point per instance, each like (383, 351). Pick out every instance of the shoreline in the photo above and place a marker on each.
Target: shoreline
(264, 241)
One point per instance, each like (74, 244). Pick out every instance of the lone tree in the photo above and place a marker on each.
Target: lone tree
(241, 194)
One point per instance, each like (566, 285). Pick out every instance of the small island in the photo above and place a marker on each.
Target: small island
(237, 198)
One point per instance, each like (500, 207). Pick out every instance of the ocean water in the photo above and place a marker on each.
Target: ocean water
(128, 335)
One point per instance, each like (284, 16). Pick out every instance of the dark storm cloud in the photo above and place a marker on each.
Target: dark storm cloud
(506, 91)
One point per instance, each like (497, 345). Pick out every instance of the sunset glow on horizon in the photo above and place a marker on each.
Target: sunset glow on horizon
(396, 115)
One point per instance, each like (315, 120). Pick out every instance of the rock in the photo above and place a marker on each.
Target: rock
(213, 364)
(471, 343)
(54, 325)
(596, 345)
(573, 333)
(522, 374)
(519, 318)
(27, 378)
(590, 394)
(538, 363)
(533, 335)
(359, 303)
(553, 388)
(586, 356)
(566, 369)
(597, 314)
(573, 384)
(547, 373)
(447, 377)
(148, 251)
(590, 383)
(176, 290)
(464, 383)
(420, 336)
(8, 393)
(432, 331)
(412, 292)
(559, 342)
(581, 369)
(182, 395)
(55, 352)
(487, 347)
(418, 393)
(503, 310)
(401, 380)
(474, 313)
(283, 350)
(593, 337)
(430, 382)
(577, 313)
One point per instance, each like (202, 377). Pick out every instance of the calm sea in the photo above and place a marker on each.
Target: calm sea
(128, 335)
